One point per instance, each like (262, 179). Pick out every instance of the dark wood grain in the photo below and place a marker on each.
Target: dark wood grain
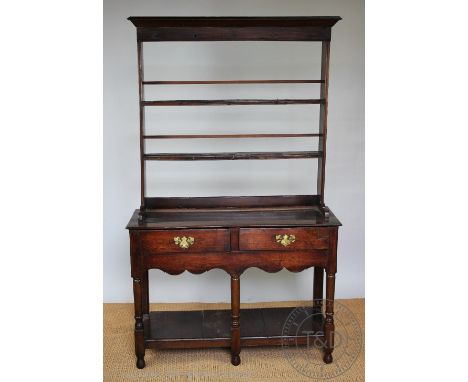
(234, 217)
(232, 102)
(141, 95)
(318, 289)
(233, 156)
(322, 144)
(264, 239)
(331, 268)
(205, 240)
(139, 331)
(235, 320)
(230, 21)
(234, 34)
(230, 136)
(236, 262)
(211, 328)
(135, 258)
(232, 202)
(145, 300)
(232, 82)
(332, 258)
(234, 238)
(329, 321)
(314, 28)
(232, 233)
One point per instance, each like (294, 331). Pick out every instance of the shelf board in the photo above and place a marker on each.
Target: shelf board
(232, 102)
(233, 156)
(232, 202)
(230, 136)
(211, 328)
(177, 218)
(233, 82)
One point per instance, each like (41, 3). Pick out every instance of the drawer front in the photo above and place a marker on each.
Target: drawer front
(185, 241)
(284, 239)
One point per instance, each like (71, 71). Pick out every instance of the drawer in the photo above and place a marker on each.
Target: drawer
(284, 239)
(190, 240)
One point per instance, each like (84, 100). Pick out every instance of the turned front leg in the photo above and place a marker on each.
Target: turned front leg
(139, 332)
(329, 322)
(235, 320)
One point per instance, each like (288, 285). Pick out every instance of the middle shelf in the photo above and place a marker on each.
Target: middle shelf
(227, 102)
(233, 155)
(230, 136)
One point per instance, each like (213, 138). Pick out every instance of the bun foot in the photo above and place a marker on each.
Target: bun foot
(140, 363)
(327, 358)
(235, 360)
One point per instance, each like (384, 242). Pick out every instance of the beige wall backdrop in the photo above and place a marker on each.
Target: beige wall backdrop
(233, 60)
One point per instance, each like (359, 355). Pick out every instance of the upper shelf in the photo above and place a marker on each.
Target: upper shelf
(308, 28)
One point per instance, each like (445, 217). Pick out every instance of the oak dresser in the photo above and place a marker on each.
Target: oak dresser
(232, 233)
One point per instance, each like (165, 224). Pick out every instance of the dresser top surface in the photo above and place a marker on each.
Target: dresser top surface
(235, 217)
(233, 21)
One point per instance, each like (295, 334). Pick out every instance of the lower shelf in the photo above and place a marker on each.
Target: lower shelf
(211, 328)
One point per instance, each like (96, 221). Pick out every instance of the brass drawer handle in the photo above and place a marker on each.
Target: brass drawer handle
(285, 240)
(184, 242)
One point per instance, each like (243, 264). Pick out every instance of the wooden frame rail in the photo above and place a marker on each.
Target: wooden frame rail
(232, 82)
(228, 102)
(230, 136)
(215, 202)
(233, 156)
